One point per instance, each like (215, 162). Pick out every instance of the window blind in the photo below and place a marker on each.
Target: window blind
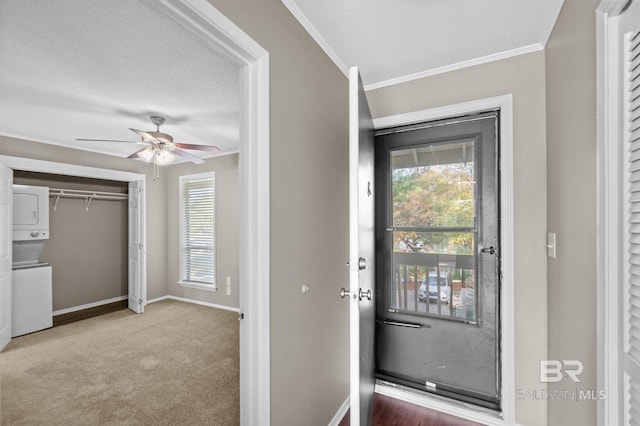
(198, 232)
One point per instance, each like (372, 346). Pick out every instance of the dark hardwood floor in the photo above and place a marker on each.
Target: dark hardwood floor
(89, 312)
(389, 411)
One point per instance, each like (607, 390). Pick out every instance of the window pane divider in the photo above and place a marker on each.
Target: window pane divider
(429, 229)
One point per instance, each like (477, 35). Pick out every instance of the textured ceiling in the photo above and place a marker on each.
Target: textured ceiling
(391, 41)
(92, 69)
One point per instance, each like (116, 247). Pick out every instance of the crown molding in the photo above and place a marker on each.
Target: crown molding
(315, 34)
(457, 66)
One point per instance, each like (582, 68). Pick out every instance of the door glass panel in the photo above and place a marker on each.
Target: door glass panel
(434, 185)
(433, 188)
(434, 273)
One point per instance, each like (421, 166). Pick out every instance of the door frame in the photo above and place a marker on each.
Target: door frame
(31, 165)
(507, 312)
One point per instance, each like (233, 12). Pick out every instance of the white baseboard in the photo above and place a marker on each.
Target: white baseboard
(197, 302)
(335, 421)
(89, 305)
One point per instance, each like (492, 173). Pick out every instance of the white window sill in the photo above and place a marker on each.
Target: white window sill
(199, 286)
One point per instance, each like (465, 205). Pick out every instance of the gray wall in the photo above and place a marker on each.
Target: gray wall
(571, 165)
(227, 228)
(309, 215)
(524, 77)
(87, 249)
(156, 197)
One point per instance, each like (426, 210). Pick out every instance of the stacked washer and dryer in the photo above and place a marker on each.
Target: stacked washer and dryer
(32, 301)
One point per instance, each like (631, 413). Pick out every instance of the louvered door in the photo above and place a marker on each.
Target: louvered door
(630, 43)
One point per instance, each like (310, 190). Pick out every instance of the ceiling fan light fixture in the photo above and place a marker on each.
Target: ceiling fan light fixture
(163, 157)
(147, 155)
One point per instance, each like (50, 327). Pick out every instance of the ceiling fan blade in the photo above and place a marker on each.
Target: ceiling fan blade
(187, 156)
(106, 140)
(210, 148)
(145, 136)
(137, 153)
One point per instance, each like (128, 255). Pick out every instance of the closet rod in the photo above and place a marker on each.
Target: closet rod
(79, 193)
(87, 195)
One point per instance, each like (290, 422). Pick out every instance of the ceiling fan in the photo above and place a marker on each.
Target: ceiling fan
(161, 149)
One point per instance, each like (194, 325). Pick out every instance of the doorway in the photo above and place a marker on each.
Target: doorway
(438, 258)
(88, 243)
(223, 35)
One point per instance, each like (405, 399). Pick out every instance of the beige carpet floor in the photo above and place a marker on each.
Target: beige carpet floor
(176, 364)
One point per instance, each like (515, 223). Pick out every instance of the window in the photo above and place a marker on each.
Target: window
(197, 233)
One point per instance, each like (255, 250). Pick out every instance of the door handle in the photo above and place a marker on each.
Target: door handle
(365, 294)
(361, 294)
(406, 324)
(344, 293)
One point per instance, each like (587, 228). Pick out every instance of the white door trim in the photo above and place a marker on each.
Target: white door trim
(505, 104)
(31, 165)
(223, 36)
(609, 241)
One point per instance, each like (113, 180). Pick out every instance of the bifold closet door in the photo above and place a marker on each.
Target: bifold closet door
(137, 267)
(6, 180)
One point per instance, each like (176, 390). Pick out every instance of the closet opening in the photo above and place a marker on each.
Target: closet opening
(87, 247)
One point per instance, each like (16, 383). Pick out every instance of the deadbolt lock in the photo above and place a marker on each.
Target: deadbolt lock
(362, 263)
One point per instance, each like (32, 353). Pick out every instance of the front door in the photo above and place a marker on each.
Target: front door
(438, 258)
(361, 252)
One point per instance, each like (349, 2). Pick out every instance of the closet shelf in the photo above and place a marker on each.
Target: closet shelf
(88, 196)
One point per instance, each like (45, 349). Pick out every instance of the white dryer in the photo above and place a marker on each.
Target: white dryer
(32, 301)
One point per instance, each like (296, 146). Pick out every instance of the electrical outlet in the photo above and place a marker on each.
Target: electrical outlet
(228, 286)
